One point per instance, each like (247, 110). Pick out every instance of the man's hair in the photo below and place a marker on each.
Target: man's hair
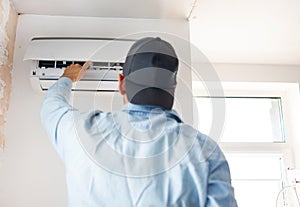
(150, 73)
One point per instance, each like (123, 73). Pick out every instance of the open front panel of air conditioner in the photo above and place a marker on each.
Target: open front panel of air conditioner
(50, 56)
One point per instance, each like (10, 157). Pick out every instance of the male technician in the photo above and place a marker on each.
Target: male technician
(142, 155)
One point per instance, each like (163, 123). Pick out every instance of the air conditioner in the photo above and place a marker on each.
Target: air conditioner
(49, 57)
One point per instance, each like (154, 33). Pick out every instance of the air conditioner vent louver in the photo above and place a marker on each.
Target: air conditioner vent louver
(100, 76)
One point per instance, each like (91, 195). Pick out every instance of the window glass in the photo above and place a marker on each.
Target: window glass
(247, 119)
(256, 178)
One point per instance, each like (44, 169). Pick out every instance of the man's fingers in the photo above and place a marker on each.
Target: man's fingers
(86, 65)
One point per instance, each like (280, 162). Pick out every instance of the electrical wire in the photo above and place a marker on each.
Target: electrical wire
(294, 187)
(192, 9)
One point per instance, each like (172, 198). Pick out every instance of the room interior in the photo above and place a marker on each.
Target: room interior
(250, 49)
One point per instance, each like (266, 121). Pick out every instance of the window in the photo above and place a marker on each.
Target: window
(256, 177)
(248, 119)
(256, 136)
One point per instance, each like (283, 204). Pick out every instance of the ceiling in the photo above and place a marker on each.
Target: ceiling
(227, 31)
(107, 8)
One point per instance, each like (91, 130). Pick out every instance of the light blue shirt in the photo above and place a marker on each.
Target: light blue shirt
(138, 156)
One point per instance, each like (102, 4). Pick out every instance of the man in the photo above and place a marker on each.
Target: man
(143, 155)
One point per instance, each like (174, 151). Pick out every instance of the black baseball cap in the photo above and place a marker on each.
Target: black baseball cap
(150, 71)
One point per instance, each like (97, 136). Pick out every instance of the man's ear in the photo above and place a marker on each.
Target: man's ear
(121, 79)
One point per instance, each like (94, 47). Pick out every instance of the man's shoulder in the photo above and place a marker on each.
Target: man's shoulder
(204, 146)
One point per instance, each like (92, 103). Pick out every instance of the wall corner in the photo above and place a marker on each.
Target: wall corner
(8, 24)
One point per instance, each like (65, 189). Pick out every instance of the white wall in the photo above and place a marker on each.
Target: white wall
(31, 174)
(258, 73)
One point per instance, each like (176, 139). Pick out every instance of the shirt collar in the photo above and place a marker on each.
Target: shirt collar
(149, 108)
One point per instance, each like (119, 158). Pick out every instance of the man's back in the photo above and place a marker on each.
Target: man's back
(139, 156)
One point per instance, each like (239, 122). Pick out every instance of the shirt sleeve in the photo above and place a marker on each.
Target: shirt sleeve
(54, 107)
(220, 192)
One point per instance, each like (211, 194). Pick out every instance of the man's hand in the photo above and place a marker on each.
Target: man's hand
(75, 71)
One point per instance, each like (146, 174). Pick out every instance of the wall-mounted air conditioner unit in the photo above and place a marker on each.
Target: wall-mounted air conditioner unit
(49, 57)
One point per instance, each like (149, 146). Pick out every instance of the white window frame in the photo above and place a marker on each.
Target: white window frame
(289, 93)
